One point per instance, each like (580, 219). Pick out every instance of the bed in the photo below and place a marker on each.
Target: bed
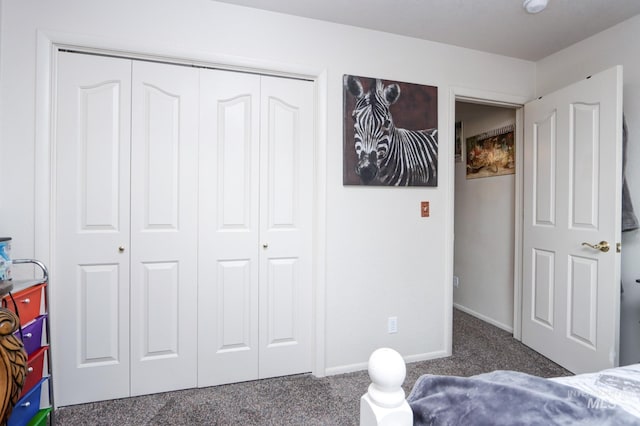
(609, 397)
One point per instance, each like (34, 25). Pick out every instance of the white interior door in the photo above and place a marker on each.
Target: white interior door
(229, 228)
(572, 195)
(90, 276)
(286, 197)
(164, 227)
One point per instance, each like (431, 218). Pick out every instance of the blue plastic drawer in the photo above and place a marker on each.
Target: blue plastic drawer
(27, 407)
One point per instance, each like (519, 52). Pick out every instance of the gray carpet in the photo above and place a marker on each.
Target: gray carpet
(478, 347)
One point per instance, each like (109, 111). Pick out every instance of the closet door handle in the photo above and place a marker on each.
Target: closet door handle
(121, 249)
(265, 245)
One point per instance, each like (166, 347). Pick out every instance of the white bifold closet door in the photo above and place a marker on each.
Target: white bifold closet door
(182, 227)
(256, 168)
(164, 227)
(125, 237)
(90, 276)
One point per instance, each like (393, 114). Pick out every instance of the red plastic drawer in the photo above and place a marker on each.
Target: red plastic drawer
(28, 302)
(34, 370)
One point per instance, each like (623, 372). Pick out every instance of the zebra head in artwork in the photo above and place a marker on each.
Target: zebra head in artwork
(390, 155)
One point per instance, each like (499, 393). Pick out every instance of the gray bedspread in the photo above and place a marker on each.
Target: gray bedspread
(508, 398)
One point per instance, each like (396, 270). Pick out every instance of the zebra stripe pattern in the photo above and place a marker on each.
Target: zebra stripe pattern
(387, 154)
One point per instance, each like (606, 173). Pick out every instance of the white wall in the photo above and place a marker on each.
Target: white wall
(615, 46)
(484, 227)
(382, 259)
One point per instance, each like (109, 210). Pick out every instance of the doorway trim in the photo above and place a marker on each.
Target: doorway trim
(516, 102)
(48, 45)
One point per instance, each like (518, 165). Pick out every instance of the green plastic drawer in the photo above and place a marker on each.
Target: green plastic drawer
(40, 419)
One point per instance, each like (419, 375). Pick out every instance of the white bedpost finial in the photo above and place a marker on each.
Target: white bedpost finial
(384, 402)
(387, 372)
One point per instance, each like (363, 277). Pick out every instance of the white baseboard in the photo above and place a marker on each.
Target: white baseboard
(484, 318)
(343, 369)
(350, 368)
(426, 356)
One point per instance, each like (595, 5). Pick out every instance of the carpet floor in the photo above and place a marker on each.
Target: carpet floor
(478, 347)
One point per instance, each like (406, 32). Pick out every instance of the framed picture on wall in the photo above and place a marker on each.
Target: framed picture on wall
(390, 133)
(491, 153)
(458, 141)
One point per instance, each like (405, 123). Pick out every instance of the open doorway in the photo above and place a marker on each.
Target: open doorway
(484, 223)
(565, 284)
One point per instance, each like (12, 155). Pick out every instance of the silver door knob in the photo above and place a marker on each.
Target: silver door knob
(265, 245)
(121, 249)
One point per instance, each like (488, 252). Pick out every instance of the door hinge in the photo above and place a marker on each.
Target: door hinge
(618, 247)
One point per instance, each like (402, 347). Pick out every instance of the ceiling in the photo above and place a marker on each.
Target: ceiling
(496, 26)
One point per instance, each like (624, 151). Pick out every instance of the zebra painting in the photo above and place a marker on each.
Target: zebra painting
(385, 153)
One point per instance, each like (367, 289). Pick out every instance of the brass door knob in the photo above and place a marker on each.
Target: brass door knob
(603, 246)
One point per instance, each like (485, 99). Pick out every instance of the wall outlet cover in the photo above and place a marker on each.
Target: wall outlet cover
(392, 325)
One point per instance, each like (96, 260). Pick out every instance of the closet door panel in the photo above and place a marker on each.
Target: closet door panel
(161, 161)
(99, 316)
(161, 312)
(164, 230)
(89, 276)
(286, 196)
(229, 225)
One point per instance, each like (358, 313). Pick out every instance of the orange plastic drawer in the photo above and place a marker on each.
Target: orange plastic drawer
(28, 302)
(35, 364)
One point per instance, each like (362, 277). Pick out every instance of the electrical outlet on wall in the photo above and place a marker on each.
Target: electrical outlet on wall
(392, 325)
